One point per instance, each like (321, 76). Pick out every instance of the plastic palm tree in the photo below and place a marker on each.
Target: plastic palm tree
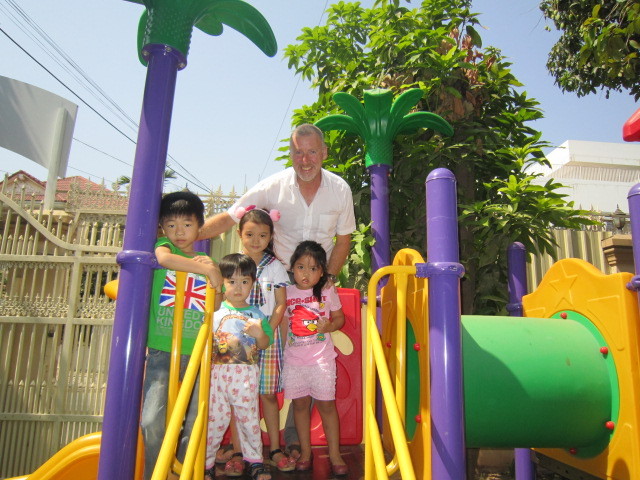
(171, 22)
(378, 122)
(163, 43)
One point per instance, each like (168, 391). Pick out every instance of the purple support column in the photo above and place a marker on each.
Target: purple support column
(380, 252)
(634, 215)
(380, 256)
(445, 343)
(126, 364)
(203, 246)
(517, 265)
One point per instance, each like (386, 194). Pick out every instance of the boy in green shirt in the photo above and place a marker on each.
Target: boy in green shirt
(181, 216)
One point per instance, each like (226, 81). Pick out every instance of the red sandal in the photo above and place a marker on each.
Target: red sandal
(286, 463)
(234, 467)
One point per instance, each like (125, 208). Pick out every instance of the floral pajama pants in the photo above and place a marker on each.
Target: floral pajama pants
(234, 385)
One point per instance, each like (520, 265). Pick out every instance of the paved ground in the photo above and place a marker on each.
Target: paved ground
(354, 456)
(321, 470)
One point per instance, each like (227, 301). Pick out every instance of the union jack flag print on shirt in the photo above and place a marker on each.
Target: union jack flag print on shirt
(194, 296)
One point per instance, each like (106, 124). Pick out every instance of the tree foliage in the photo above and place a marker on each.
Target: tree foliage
(125, 180)
(436, 48)
(598, 47)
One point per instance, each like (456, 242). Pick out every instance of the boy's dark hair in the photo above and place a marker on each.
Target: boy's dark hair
(238, 262)
(315, 251)
(182, 204)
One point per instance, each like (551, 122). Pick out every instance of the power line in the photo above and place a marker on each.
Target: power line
(58, 53)
(102, 152)
(66, 86)
(193, 179)
(295, 89)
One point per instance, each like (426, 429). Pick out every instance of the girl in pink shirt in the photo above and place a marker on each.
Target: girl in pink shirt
(309, 358)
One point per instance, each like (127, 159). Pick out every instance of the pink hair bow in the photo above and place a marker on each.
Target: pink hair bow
(273, 214)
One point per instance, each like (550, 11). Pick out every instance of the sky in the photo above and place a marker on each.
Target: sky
(233, 104)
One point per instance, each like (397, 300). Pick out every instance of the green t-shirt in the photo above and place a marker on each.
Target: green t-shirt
(161, 309)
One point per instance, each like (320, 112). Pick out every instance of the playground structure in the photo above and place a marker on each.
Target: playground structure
(563, 378)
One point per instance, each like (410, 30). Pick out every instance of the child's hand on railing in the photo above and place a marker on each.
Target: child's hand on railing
(213, 272)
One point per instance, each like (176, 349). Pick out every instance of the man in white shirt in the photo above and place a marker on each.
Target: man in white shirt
(314, 203)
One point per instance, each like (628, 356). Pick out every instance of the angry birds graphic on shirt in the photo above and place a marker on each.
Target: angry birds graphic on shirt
(304, 321)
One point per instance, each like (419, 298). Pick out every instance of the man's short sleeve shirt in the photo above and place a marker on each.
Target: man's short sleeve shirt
(330, 213)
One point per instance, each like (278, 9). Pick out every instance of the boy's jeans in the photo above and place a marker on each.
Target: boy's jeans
(154, 407)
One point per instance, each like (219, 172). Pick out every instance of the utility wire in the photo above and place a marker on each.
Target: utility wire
(193, 180)
(295, 89)
(58, 53)
(100, 95)
(67, 87)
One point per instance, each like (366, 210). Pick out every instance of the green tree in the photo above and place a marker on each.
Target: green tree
(435, 48)
(124, 180)
(598, 47)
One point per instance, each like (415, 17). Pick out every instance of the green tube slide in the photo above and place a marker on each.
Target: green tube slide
(537, 382)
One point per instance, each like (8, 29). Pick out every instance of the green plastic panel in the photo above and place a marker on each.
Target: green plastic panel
(531, 382)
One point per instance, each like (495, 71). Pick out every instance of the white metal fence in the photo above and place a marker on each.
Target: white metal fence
(55, 327)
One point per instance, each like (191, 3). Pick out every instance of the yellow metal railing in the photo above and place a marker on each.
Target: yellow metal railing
(393, 392)
(179, 393)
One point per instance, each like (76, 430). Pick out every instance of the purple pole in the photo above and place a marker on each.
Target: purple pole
(126, 364)
(445, 344)
(634, 215)
(203, 246)
(517, 265)
(380, 252)
(380, 256)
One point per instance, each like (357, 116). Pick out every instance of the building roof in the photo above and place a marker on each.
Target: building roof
(35, 188)
(597, 175)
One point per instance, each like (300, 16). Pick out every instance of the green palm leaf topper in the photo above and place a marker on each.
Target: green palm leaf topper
(380, 120)
(171, 22)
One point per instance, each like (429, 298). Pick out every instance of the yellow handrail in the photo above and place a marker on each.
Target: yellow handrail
(176, 342)
(194, 443)
(178, 400)
(401, 354)
(376, 362)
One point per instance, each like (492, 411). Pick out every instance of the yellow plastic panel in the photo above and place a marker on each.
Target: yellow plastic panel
(575, 285)
(417, 307)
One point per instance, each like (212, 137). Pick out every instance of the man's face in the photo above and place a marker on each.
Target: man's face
(307, 154)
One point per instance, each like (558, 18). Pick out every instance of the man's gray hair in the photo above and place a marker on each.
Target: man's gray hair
(304, 130)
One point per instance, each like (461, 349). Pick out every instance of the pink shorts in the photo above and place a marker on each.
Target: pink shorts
(316, 381)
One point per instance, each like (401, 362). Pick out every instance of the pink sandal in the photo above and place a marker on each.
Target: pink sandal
(234, 467)
(286, 463)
